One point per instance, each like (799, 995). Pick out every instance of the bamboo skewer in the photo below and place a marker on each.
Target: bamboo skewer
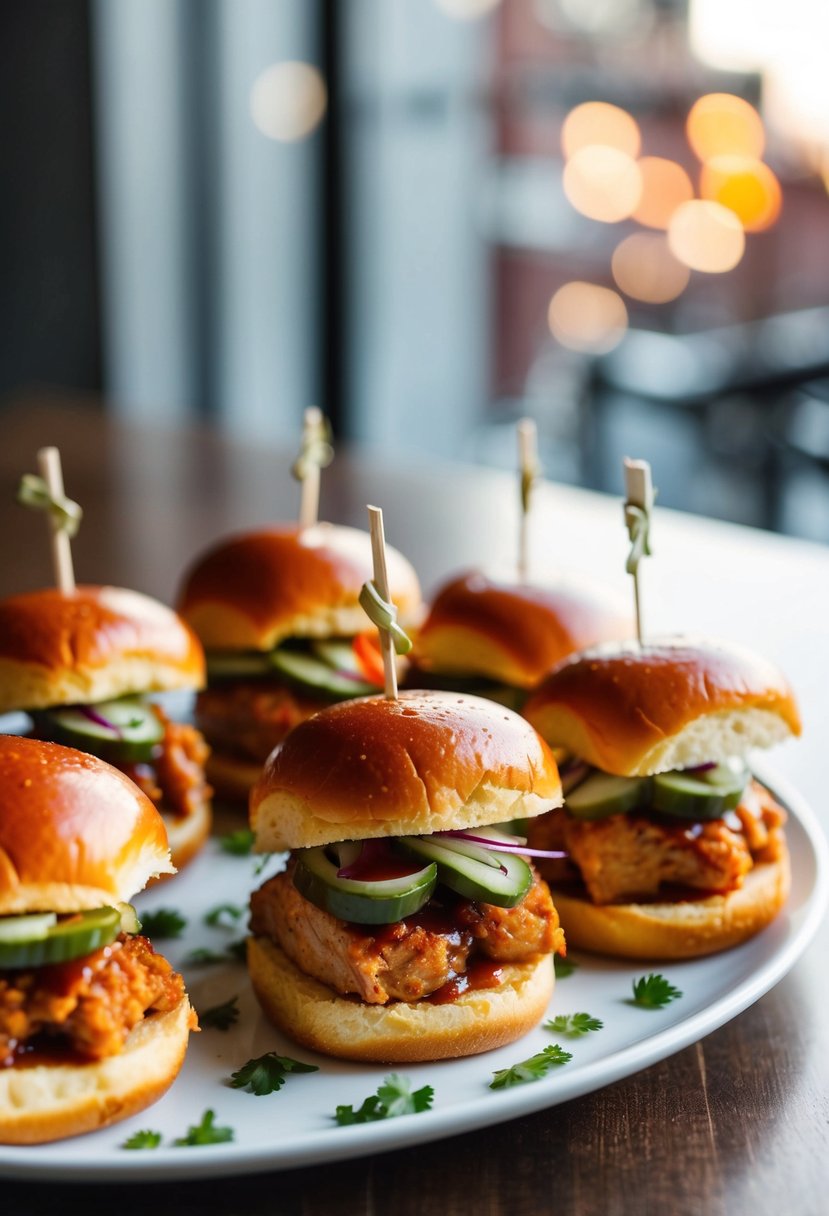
(381, 582)
(48, 460)
(528, 464)
(639, 500)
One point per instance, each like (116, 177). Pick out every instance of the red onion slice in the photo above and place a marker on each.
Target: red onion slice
(376, 855)
(499, 846)
(92, 714)
(702, 768)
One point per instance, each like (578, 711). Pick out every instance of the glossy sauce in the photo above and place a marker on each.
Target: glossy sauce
(481, 973)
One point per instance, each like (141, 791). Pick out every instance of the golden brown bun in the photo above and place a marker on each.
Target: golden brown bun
(677, 929)
(397, 1033)
(93, 645)
(428, 762)
(672, 703)
(187, 834)
(52, 1101)
(514, 633)
(75, 832)
(253, 590)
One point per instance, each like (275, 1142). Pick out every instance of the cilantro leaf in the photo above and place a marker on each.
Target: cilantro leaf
(563, 967)
(144, 1139)
(261, 863)
(238, 949)
(653, 992)
(220, 1017)
(202, 957)
(266, 1074)
(163, 923)
(223, 916)
(239, 843)
(530, 1070)
(205, 1132)
(572, 1024)
(394, 1097)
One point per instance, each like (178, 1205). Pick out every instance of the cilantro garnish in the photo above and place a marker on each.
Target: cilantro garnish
(261, 863)
(238, 949)
(220, 1017)
(563, 967)
(205, 1133)
(239, 843)
(530, 1070)
(653, 992)
(144, 1139)
(394, 1097)
(572, 1024)
(163, 923)
(223, 916)
(203, 957)
(266, 1074)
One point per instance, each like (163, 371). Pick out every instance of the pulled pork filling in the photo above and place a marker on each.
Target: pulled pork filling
(88, 1006)
(634, 856)
(175, 778)
(412, 958)
(248, 718)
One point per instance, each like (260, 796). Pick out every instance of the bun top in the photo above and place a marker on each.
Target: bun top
(75, 833)
(252, 591)
(92, 645)
(672, 703)
(426, 763)
(514, 632)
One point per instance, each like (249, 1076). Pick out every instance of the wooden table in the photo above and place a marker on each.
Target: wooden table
(735, 1124)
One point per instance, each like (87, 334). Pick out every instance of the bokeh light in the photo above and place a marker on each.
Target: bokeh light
(288, 100)
(706, 236)
(603, 183)
(587, 318)
(665, 185)
(597, 122)
(720, 124)
(746, 186)
(467, 10)
(645, 269)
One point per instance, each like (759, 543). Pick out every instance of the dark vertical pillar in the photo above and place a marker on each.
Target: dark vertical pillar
(333, 14)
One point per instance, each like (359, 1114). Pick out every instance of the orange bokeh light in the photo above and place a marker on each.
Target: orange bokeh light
(665, 185)
(598, 122)
(645, 269)
(603, 183)
(587, 318)
(720, 124)
(746, 186)
(706, 236)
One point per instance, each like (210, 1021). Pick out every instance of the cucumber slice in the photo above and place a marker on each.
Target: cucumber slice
(238, 665)
(502, 879)
(602, 794)
(314, 673)
(30, 928)
(699, 796)
(65, 939)
(133, 735)
(364, 903)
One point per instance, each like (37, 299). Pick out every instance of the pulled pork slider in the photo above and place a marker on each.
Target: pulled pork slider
(675, 850)
(498, 638)
(404, 927)
(93, 1023)
(80, 665)
(279, 615)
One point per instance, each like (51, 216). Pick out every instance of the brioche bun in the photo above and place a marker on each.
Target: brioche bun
(253, 590)
(94, 644)
(52, 1101)
(672, 703)
(318, 1018)
(427, 762)
(676, 929)
(75, 833)
(186, 834)
(512, 632)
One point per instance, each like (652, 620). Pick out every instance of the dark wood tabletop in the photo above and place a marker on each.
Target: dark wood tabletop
(736, 1123)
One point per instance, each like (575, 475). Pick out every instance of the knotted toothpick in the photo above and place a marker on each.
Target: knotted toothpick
(639, 500)
(529, 469)
(376, 601)
(316, 453)
(45, 493)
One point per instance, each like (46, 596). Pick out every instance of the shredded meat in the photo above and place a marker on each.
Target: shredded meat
(410, 959)
(634, 856)
(248, 718)
(88, 1006)
(175, 778)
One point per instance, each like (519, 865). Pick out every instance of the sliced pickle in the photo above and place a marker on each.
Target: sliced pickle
(364, 902)
(602, 794)
(135, 732)
(314, 673)
(66, 938)
(472, 870)
(699, 795)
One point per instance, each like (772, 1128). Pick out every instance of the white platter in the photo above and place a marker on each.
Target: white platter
(295, 1126)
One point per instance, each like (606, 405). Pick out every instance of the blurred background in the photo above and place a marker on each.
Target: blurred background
(432, 217)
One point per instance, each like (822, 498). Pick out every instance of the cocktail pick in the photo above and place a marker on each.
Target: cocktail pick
(375, 599)
(639, 499)
(529, 468)
(45, 493)
(316, 453)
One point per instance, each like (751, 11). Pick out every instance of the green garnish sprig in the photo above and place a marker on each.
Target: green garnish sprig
(531, 1070)
(238, 843)
(224, 916)
(220, 1017)
(393, 1098)
(142, 1140)
(163, 923)
(563, 967)
(574, 1025)
(653, 992)
(205, 1132)
(266, 1074)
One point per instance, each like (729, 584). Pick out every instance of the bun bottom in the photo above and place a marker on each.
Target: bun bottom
(398, 1033)
(232, 778)
(681, 928)
(186, 835)
(52, 1101)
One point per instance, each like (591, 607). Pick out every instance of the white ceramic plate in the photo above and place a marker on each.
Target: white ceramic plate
(295, 1126)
